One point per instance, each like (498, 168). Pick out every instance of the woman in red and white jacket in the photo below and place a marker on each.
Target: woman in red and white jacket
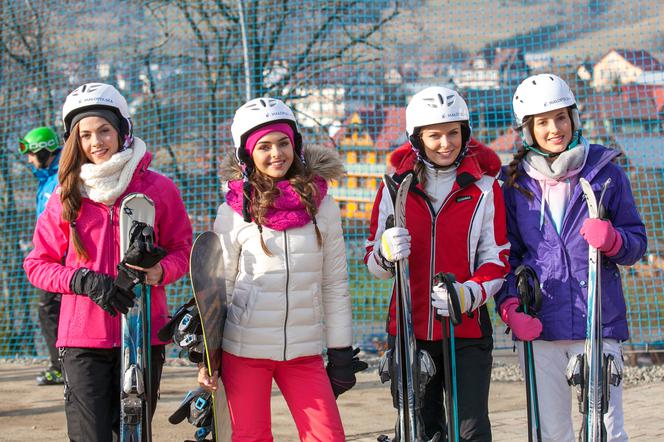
(455, 223)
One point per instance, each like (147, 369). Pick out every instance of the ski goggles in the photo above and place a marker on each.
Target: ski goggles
(25, 147)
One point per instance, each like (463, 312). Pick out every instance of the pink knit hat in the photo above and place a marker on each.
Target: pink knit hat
(259, 133)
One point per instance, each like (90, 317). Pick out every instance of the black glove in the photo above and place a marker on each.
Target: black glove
(342, 364)
(101, 289)
(142, 253)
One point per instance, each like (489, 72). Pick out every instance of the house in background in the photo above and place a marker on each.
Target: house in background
(538, 61)
(365, 142)
(632, 109)
(492, 68)
(584, 71)
(331, 95)
(623, 66)
(645, 168)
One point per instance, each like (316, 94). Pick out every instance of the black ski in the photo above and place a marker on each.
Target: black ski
(413, 368)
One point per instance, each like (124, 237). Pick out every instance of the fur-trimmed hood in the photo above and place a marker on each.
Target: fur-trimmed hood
(322, 161)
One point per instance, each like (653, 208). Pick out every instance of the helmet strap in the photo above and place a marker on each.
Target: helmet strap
(418, 147)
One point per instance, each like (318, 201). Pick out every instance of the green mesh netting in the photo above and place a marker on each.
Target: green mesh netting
(348, 68)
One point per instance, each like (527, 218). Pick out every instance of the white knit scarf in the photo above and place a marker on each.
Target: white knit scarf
(105, 182)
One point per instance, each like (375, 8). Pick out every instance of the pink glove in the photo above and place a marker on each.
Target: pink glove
(602, 235)
(524, 327)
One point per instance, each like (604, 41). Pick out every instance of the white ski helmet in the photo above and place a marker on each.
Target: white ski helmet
(542, 93)
(435, 105)
(98, 96)
(257, 113)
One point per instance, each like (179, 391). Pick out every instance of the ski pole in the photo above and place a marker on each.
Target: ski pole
(530, 295)
(449, 355)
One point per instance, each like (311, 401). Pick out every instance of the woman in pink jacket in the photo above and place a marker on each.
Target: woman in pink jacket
(77, 253)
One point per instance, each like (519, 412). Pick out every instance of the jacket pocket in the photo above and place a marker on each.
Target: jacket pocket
(240, 308)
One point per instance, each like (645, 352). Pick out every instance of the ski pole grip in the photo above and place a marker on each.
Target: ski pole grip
(454, 306)
(528, 289)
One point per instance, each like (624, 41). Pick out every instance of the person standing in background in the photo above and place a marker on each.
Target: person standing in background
(42, 149)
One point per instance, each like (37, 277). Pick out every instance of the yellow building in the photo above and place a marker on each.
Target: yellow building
(365, 142)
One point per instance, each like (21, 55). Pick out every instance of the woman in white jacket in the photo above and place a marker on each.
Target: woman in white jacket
(285, 264)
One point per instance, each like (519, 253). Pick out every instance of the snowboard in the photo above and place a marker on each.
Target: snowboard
(206, 270)
(135, 377)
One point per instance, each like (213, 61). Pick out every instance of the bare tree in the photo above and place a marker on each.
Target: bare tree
(285, 48)
(24, 48)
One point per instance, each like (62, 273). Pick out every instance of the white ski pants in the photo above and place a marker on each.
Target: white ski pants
(557, 400)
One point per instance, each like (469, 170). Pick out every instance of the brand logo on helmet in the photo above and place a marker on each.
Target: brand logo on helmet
(96, 100)
(556, 101)
(42, 145)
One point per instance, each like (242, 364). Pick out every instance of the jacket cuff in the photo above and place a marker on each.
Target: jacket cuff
(505, 308)
(617, 245)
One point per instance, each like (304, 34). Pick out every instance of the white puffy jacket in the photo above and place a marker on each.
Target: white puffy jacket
(290, 304)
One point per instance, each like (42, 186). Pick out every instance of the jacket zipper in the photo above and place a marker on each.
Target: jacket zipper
(287, 281)
(434, 218)
(116, 331)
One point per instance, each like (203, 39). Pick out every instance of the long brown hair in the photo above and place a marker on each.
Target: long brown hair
(513, 172)
(265, 192)
(69, 176)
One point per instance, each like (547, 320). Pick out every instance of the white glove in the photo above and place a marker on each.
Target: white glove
(440, 298)
(395, 244)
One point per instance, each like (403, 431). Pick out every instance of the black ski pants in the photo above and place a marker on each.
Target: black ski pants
(49, 315)
(473, 369)
(92, 391)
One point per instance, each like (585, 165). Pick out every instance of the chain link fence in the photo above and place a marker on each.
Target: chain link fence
(348, 67)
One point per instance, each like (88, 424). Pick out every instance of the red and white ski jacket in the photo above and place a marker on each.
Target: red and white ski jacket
(53, 262)
(466, 237)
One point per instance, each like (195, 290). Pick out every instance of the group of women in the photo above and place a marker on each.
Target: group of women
(284, 256)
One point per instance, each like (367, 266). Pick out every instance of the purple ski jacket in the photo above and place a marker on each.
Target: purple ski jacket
(561, 260)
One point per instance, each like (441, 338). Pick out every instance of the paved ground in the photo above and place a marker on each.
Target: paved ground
(31, 413)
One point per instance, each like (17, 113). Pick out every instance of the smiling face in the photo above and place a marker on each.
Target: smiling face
(552, 130)
(442, 142)
(98, 138)
(273, 155)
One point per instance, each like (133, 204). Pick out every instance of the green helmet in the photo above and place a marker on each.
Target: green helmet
(38, 139)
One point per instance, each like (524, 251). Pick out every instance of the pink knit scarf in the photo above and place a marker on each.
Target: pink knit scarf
(287, 211)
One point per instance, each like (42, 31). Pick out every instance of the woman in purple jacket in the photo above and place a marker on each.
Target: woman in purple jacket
(549, 230)
(77, 254)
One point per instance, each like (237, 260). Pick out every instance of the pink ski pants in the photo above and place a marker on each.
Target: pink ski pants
(304, 385)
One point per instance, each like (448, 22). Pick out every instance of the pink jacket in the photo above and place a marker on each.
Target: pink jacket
(82, 322)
